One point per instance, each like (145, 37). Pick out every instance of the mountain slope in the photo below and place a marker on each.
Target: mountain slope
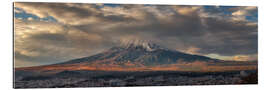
(137, 57)
(146, 55)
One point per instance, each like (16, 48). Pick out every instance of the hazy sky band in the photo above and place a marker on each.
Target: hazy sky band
(47, 33)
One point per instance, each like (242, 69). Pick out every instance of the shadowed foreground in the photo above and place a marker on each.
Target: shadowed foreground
(118, 79)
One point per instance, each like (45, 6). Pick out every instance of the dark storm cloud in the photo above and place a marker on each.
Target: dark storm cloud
(212, 35)
(231, 37)
(51, 37)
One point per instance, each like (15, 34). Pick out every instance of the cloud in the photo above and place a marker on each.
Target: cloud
(253, 57)
(30, 18)
(241, 12)
(85, 29)
(192, 50)
(46, 42)
(70, 13)
(245, 58)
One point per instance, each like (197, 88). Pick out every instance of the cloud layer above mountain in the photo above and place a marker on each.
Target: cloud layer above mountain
(48, 33)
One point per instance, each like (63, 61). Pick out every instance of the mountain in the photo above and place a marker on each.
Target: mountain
(139, 57)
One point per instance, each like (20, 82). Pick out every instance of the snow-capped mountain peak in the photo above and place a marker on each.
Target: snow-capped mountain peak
(143, 44)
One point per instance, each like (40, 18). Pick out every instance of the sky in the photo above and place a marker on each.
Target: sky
(48, 33)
